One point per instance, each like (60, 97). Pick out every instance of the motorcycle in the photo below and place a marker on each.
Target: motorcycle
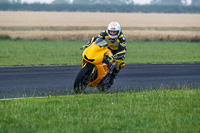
(96, 70)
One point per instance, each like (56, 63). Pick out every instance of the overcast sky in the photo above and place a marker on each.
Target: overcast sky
(49, 1)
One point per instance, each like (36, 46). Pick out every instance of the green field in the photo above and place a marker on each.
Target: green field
(168, 111)
(33, 52)
(148, 111)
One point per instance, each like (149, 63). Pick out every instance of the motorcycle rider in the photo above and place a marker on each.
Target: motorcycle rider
(117, 44)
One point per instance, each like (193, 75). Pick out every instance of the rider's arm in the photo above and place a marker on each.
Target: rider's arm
(101, 35)
(122, 48)
(91, 41)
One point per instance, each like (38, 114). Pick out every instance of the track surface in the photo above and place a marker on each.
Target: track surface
(39, 81)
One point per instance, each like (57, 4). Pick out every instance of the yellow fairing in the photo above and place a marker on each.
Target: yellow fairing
(102, 70)
(95, 55)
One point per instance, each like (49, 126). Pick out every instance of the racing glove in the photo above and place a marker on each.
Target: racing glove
(112, 58)
(84, 47)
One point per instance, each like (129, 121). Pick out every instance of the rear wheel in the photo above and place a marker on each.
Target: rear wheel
(83, 78)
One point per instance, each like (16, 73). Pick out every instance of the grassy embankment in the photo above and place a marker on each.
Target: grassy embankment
(152, 111)
(27, 52)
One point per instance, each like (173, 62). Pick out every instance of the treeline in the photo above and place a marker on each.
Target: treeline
(100, 8)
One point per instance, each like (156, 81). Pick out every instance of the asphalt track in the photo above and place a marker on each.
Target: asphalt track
(37, 81)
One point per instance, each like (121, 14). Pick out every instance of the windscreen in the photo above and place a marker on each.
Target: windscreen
(101, 43)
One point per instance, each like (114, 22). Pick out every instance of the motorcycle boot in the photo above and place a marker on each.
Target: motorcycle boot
(113, 76)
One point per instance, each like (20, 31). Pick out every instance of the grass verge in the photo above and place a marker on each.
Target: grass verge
(32, 52)
(148, 111)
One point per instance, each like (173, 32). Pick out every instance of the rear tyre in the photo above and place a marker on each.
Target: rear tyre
(83, 78)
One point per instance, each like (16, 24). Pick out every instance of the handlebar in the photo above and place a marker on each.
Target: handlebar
(106, 56)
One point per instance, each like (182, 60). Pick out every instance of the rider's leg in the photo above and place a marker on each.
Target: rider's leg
(113, 76)
(116, 70)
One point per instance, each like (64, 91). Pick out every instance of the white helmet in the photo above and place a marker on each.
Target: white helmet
(114, 26)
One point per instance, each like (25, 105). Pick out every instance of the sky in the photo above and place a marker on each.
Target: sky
(49, 1)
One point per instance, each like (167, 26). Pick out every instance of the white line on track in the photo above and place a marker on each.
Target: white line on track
(19, 98)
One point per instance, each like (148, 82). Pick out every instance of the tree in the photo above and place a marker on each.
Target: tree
(195, 2)
(167, 2)
(82, 1)
(120, 1)
(115, 2)
(4, 1)
(60, 1)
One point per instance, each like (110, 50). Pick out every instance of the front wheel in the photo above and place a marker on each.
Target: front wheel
(83, 78)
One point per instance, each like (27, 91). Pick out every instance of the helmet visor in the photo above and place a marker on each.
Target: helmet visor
(113, 33)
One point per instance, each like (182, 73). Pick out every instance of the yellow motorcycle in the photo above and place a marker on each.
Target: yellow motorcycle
(96, 70)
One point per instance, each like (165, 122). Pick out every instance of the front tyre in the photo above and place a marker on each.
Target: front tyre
(83, 78)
